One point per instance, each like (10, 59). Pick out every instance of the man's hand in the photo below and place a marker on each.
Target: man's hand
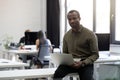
(77, 64)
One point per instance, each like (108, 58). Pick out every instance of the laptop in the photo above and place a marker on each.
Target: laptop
(63, 58)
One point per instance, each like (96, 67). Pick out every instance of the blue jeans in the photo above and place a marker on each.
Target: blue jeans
(85, 73)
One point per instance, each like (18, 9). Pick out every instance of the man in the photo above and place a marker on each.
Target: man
(81, 43)
(22, 42)
(22, 39)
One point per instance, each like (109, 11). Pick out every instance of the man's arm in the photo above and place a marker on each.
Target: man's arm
(94, 50)
(65, 47)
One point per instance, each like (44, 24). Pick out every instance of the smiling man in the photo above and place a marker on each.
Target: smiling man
(81, 43)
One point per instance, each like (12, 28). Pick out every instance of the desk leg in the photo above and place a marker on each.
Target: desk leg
(8, 55)
(119, 72)
(96, 71)
(15, 57)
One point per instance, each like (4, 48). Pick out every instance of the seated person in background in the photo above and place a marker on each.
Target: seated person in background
(23, 57)
(41, 41)
(22, 39)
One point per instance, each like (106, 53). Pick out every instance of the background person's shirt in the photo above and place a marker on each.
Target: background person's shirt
(22, 40)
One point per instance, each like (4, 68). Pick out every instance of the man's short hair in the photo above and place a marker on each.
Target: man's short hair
(75, 11)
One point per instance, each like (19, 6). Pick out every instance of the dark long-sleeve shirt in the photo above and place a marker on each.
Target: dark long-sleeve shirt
(82, 44)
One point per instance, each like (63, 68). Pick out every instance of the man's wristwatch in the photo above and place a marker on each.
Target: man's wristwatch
(83, 64)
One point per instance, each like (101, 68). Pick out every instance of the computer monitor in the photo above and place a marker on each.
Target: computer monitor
(30, 38)
(103, 41)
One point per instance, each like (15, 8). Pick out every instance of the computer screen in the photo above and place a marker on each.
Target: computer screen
(30, 38)
(103, 41)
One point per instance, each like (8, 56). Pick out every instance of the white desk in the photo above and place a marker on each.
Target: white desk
(109, 59)
(106, 60)
(36, 73)
(14, 53)
(26, 52)
(29, 73)
(4, 63)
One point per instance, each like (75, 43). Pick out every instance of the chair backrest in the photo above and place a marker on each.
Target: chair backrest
(103, 41)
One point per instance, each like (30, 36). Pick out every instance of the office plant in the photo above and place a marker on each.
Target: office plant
(6, 41)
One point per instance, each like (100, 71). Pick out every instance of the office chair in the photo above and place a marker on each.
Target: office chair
(103, 41)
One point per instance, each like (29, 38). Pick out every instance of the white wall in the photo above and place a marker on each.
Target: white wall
(18, 15)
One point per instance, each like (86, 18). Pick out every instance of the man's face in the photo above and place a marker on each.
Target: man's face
(74, 20)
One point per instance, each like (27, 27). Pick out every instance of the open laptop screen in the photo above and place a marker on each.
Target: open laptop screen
(30, 38)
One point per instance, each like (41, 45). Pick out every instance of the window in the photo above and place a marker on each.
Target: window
(85, 7)
(115, 18)
(100, 16)
(102, 12)
(117, 23)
